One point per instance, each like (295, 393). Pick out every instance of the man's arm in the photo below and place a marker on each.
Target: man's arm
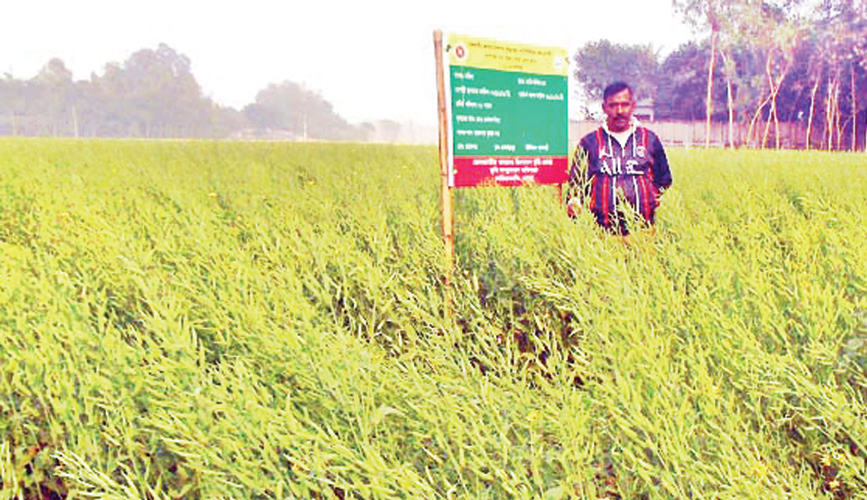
(661, 172)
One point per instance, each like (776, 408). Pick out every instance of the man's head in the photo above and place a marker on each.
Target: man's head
(618, 104)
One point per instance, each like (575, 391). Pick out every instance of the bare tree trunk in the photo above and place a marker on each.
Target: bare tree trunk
(756, 117)
(832, 110)
(729, 99)
(838, 113)
(768, 62)
(829, 126)
(812, 110)
(774, 85)
(731, 105)
(74, 121)
(775, 116)
(755, 120)
(774, 93)
(854, 112)
(709, 103)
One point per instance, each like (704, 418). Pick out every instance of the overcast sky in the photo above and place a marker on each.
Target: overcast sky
(371, 59)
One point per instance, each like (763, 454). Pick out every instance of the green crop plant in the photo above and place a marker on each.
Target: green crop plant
(203, 319)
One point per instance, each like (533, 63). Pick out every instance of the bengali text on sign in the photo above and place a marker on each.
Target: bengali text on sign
(508, 113)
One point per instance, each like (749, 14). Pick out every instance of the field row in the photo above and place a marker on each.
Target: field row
(265, 320)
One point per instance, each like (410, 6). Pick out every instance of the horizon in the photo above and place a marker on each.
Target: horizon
(238, 52)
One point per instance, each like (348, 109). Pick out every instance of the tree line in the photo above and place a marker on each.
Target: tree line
(155, 94)
(760, 63)
(757, 63)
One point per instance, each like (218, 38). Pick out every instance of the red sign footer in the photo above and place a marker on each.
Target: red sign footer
(509, 170)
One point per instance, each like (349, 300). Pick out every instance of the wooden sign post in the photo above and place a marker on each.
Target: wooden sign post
(448, 213)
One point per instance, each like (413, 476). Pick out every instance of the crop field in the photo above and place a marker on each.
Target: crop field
(206, 320)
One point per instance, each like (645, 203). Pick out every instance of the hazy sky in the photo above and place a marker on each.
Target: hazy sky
(371, 59)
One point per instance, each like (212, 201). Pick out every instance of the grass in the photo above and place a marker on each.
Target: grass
(262, 320)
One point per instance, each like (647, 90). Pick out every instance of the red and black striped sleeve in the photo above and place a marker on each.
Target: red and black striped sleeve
(661, 171)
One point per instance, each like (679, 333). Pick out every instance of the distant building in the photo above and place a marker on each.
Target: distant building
(265, 134)
(593, 111)
(644, 110)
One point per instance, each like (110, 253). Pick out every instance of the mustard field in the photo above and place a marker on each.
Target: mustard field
(206, 320)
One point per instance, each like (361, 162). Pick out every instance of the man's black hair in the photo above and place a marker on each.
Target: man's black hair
(614, 88)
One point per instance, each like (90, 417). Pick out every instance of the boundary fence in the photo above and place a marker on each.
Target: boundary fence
(793, 135)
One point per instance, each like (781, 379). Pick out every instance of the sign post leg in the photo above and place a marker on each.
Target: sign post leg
(448, 221)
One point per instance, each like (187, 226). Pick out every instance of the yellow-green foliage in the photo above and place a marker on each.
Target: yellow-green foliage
(255, 320)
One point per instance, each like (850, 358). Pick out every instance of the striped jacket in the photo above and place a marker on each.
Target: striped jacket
(606, 174)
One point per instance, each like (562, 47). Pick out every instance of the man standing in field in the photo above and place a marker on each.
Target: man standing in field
(620, 164)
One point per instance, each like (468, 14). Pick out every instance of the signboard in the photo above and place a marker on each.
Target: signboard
(507, 112)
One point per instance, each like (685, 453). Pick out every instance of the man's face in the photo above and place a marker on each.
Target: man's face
(619, 107)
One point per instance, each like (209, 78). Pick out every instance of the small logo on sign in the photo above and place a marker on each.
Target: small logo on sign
(461, 52)
(558, 63)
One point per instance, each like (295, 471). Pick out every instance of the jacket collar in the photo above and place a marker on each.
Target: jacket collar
(633, 125)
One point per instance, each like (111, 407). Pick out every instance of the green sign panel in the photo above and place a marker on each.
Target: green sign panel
(508, 113)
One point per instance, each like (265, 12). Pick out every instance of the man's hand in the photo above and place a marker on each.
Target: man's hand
(573, 207)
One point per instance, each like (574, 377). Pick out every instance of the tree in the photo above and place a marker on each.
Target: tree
(162, 94)
(837, 36)
(12, 102)
(105, 101)
(600, 63)
(289, 106)
(155, 94)
(704, 15)
(682, 83)
(861, 52)
(777, 32)
(724, 19)
(55, 97)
